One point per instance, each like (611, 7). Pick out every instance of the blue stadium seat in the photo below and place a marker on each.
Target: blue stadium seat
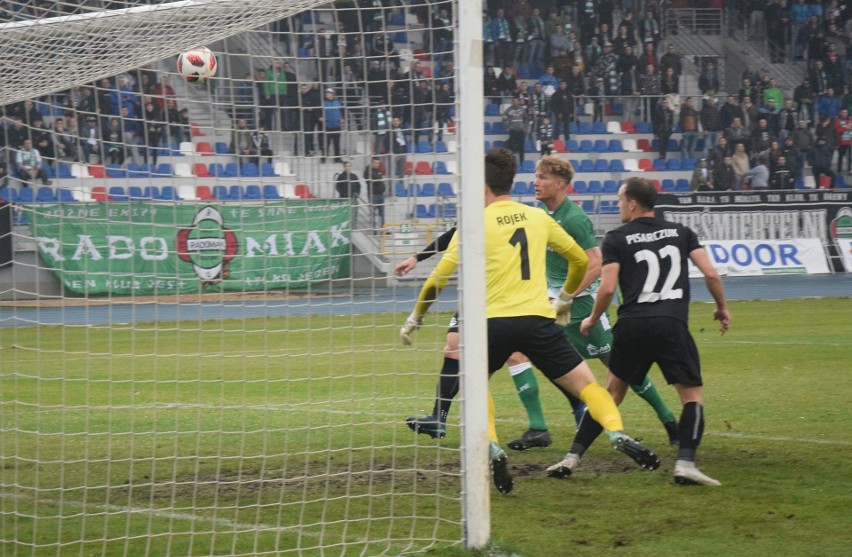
(23, 195)
(216, 169)
(659, 164)
(253, 192)
(250, 169)
(63, 171)
(400, 190)
(519, 188)
(585, 127)
(426, 190)
(595, 186)
(486, 128)
(116, 193)
(529, 146)
(135, 193)
(588, 207)
(643, 127)
(487, 146)
(586, 165)
(267, 170)
(446, 211)
(616, 165)
(599, 128)
(580, 186)
(445, 189)
(498, 143)
(221, 193)
(610, 186)
(169, 193)
(573, 128)
(65, 196)
(586, 146)
(440, 146)
(221, 148)
(492, 109)
(137, 171)
(425, 211)
(601, 165)
(231, 169)
(527, 167)
(608, 207)
(668, 184)
(673, 164)
(115, 171)
(440, 167)
(46, 194)
(572, 145)
(48, 169)
(423, 146)
(151, 192)
(236, 192)
(615, 146)
(682, 184)
(688, 164)
(499, 128)
(270, 192)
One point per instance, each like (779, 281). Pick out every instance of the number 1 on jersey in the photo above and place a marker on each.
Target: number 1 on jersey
(520, 238)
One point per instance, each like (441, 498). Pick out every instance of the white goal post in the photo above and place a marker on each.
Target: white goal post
(199, 322)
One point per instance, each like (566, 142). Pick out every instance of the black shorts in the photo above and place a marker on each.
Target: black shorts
(539, 338)
(640, 343)
(454, 324)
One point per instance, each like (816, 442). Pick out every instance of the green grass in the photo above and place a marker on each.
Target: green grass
(285, 436)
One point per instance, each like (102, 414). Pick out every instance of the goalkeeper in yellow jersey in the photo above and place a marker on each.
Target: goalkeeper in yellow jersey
(519, 315)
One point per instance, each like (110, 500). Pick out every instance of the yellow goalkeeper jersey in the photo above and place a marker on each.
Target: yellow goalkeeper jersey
(517, 237)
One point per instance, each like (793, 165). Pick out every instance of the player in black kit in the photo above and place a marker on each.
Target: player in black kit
(647, 259)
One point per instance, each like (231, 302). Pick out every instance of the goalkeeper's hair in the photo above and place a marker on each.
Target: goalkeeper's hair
(552, 164)
(642, 191)
(500, 169)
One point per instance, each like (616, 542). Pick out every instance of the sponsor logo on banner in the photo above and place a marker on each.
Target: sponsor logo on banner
(768, 257)
(208, 245)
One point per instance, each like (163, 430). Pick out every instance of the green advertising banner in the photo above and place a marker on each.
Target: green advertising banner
(145, 248)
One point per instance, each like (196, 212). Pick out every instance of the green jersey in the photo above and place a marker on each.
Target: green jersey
(574, 220)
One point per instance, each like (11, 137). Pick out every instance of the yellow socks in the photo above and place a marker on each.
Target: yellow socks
(601, 407)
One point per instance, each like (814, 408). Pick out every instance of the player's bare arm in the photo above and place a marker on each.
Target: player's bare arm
(606, 292)
(405, 267)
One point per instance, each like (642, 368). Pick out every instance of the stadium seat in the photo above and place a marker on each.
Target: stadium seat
(200, 170)
(168, 193)
(824, 182)
(615, 146)
(595, 186)
(573, 128)
(135, 193)
(423, 168)
(66, 196)
(282, 168)
(610, 186)
(446, 211)
(644, 145)
(492, 109)
(588, 206)
(439, 167)
(426, 189)
(440, 146)
(657, 184)
(424, 211)
(203, 193)
(631, 165)
(646, 165)
(499, 128)
(527, 167)
(580, 186)
(486, 128)
(688, 164)
(163, 169)
(519, 188)
(63, 171)
(423, 146)
(668, 184)
(586, 165)
(586, 146)
(409, 168)
(616, 165)
(608, 206)
(682, 184)
(187, 192)
(250, 169)
(221, 193)
(221, 148)
(445, 189)
(115, 171)
(840, 182)
(46, 194)
(237, 192)
(304, 191)
(673, 164)
(599, 128)
(270, 191)
(267, 170)
(530, 146)
(601, 165)
(183, 170)
(400, 190)
(572, 146)
(231, 170)
(99, 194)
(628, 127)
(216, 169)
(204, 148)
(584, 128)
(117, 193)
(80, 171)
(558, 146)
(614, 127)
(659, 164)
(643, 127)
(253, 192)
(186, 148)
(23, 195)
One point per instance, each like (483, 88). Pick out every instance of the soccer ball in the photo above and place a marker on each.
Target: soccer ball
(197, 65)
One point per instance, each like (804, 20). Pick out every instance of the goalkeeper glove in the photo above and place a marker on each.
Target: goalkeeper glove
(562, 305)
(413, 323)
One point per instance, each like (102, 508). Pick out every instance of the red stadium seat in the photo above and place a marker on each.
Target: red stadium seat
(203, 193)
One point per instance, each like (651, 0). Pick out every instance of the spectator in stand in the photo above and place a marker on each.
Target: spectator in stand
(741, 163)
(819, 78)
(376, 188)
(785, 120)
(562, 108)
(332, 123)
(537, 37)
(826, 130)
(161, 92)
(592, 53)
(113, 136)
(546, 135)
(539, 106)
(663, 124)
(736, 133)
(708, 80)
(718, 153)
(155, 128)
(730, 110)
(649, 86)
(757, 178)
(548, 81)
(628, 22)
(843, 125)
(90, 137)
(833, 65)
(134, 135)
(489, 48)
(241, 143)
(424, 110)
(793, 156)
(587, 19)
(519, 42)
(749, 114)
(747, 90)
(347, 184)
(829, 104)
(43, 141)
(819, 157)
(310, 101)
(671, 59)
(562, 64)
(260, 146)
(761, 138)
(773, 154)
(444, 100)
(623, 40)
(491, 86)
(804, 97)
(578, 56)
(596, 93)
(30, 165)
(64, 143)
(669, 83)
(774, 93)
(507, 83)
(724, 176)
(16, 134)
(399, 148)
(776, 30)
(442, 34)
(105, 97)
(502, 33)
(630, 83)
(649, 30)
(516, 121)
(701, 177)
(711, 123)
(798, 20)
(4, 175)
(648, 57)
(782, 177)
(689, 125)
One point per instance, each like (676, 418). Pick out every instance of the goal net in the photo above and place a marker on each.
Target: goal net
(198, 313)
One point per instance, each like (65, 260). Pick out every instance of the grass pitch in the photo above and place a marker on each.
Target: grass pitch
(285, 436)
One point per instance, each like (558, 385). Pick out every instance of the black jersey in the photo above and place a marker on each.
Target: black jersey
(654, 274)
